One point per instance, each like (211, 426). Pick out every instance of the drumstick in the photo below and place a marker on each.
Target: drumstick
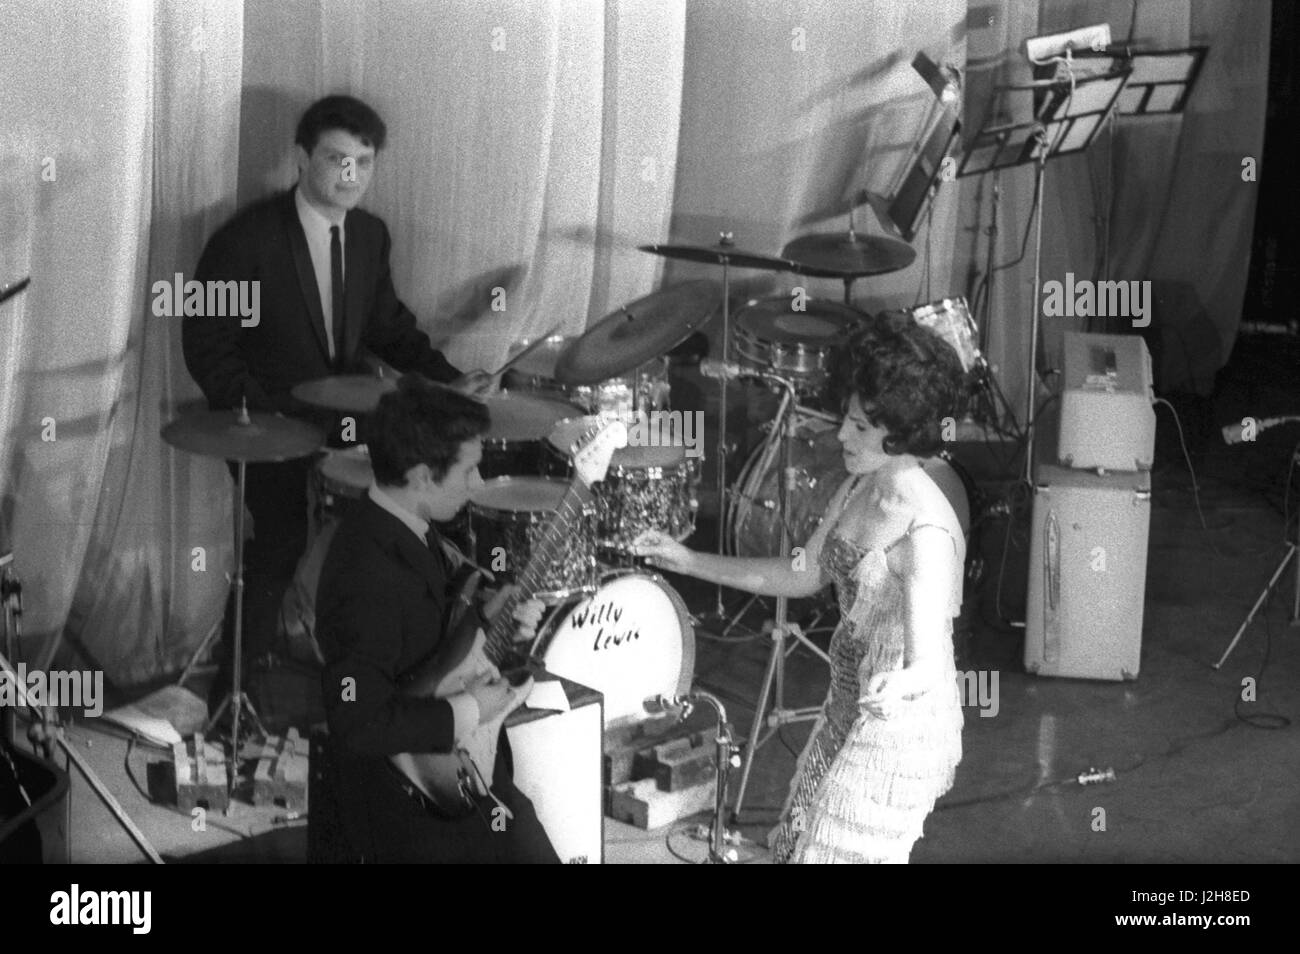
(528, 350)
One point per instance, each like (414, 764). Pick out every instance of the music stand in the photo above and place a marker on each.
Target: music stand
(1071, 114)
(1160, 81)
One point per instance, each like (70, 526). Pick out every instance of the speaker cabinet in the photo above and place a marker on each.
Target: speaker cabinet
(1087, 573)
(557, 762)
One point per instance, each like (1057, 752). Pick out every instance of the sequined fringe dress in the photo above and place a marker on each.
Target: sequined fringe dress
(863, 786)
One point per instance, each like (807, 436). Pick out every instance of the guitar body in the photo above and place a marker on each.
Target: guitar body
(453, 779)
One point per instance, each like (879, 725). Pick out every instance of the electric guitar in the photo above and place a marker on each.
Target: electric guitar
(453, 780)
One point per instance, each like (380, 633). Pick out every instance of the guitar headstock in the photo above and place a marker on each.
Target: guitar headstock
(593, 451)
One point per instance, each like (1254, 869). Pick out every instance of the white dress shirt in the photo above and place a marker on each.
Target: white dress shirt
(317, 229)
(463, 705)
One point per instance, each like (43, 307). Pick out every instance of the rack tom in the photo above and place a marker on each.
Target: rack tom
(510, 524)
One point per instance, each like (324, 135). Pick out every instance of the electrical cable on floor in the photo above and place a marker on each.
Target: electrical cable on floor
(1196, 490)
(1261, 720)
(1072, 782)
(679, 828)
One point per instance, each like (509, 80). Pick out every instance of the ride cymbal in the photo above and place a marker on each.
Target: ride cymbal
(847, 255)
(723, 253)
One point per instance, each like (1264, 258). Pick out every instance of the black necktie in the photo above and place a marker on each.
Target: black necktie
(336, 292)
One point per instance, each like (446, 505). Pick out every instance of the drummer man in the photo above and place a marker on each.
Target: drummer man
(325, 291)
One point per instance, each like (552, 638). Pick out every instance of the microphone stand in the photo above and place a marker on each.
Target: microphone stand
(1232, 436)
(781, 625)
(726, 757)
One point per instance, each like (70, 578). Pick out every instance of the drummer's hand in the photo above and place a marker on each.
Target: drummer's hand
(662, 551)
(528, 613)
(476, 383)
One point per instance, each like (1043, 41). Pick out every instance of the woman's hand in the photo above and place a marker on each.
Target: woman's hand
(662, 551)
(885, 695)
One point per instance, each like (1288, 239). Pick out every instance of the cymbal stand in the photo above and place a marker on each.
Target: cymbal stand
(724, 238)
(236, 698)
(849, 279)
(782, 628)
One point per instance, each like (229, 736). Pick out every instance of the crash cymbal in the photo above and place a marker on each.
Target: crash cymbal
(724, 253)
(847, 255)
(358, 393)
(631, 336)
(252, 437)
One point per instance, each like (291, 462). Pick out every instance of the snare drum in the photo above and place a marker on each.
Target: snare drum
(771, 334)
(508, 521)
(648, 486)
(619, 398)
(629, 640)
(516, 441)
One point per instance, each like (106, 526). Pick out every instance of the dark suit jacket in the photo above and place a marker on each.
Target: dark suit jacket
(380, 609)
(266, 243)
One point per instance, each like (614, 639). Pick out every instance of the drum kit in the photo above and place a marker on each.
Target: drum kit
(614, 625)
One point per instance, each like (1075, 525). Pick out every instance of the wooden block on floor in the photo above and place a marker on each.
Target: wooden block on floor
(622, 744)
(681, 763)
(280, 779)
(642, 805)
(200, 771)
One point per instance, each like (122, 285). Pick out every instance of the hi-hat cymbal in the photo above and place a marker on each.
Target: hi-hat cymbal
(645, 329)
(256, 438)
(358, 393)
(720, 254)
(847, 255)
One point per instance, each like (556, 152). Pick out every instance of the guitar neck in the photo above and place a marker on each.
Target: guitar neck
(549, 548)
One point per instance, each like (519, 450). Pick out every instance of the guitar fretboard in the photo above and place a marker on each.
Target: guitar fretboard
(549, 548)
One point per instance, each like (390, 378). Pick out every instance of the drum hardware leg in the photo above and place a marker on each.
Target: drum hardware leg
(236, 698)
(720, 609)
(781, 625)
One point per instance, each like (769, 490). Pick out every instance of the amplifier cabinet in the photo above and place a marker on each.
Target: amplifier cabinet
(1087, 573)
(557, 762)
(1107, 420)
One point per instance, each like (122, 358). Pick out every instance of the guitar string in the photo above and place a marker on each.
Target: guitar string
(500, 636)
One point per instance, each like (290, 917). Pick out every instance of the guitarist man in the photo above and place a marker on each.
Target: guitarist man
(384, 603)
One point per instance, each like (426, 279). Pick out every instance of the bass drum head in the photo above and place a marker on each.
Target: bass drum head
(629, 640)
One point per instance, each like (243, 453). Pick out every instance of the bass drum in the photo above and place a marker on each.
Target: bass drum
(819, 470)
(630, 640)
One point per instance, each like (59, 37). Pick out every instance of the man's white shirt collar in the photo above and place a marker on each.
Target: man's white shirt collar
(417, 526)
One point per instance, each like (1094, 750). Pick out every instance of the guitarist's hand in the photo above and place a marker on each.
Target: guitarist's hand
(493, 693)
(492, 608)
(528, 613)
